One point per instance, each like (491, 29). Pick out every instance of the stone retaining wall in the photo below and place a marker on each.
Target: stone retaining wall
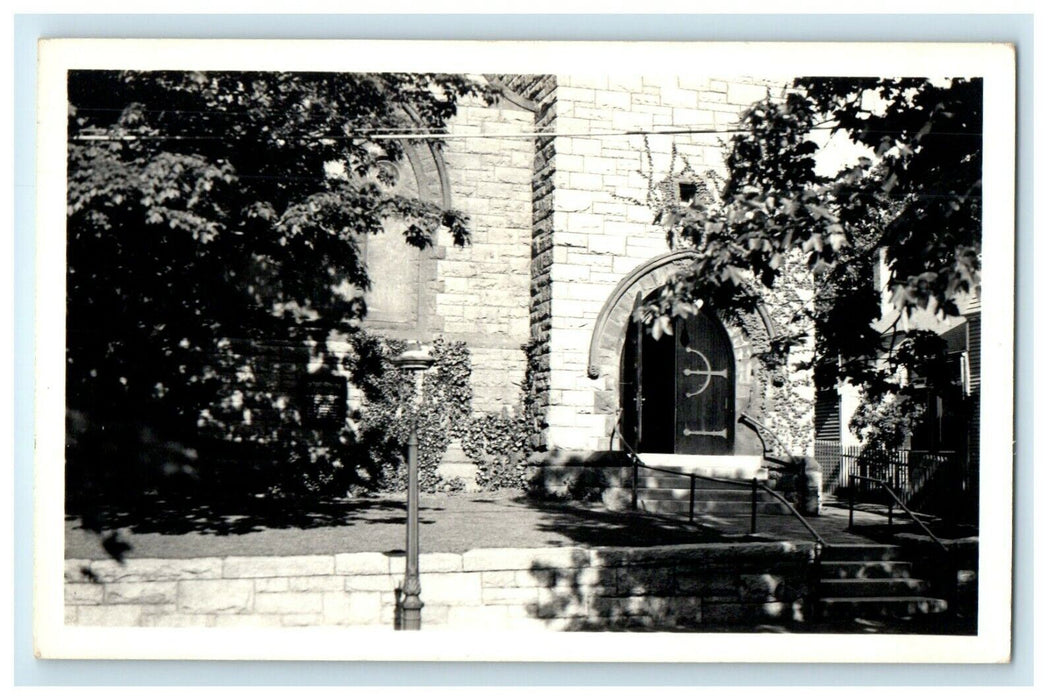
(671, 587)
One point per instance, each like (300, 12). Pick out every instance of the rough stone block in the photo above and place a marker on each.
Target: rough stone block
(499, 578)
(578, 222)
(75, 570)
(693, 117)
(559, 602)
(645, 581)
(757, 588)
(522, 596)
(746, 94)
(288, 603)
(178, 620)
(451, 588)
(131, 570)
(676, 97)
(434, 615)
(271, 585)
(248, 621)
(83, 593)
(387, 582)
(524, 559)
(269, 567)
(440, 562)
(711, 585)
(215, 596)
(497, 559)
(302, 620)
(536, 577)
(751, 613)
(69, 615)
(141, 593)
(617, 607)
(351, 608)
(577, 94)
(109, 615)
(313, 583)
(488, 618)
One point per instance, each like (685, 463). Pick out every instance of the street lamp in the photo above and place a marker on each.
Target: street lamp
(417, 359)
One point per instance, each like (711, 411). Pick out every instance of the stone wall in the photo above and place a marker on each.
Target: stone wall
(713, 587)
(541, 89)
(596, 192)
(483, 296)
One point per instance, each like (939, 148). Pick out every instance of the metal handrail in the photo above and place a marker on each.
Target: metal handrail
(898, 500)
(757, 427)
(754, 485)
(816, 535)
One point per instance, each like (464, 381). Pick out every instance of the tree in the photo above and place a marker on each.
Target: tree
(914, 198)
(213, 218)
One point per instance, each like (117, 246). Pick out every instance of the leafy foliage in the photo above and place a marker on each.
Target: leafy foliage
(915, 200)
(389, 410)
(212, 215)
(500, 446)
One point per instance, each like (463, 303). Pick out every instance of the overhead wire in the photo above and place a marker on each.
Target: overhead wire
(384, 134)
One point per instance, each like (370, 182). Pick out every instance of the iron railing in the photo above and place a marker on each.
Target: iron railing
(907, 471)
(894, 499)
(637, 463)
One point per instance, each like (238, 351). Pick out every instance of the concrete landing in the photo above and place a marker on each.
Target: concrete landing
(721, 466)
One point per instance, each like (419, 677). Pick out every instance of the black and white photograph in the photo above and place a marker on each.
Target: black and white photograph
(678, 349)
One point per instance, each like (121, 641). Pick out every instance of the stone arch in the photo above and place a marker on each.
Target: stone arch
(613, 320)
(403, 306)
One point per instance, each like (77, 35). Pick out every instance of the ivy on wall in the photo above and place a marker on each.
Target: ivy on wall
(498, 444)
(390, 408)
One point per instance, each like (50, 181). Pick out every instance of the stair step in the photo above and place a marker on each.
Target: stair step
(677, 493)
(879, 606)
(725, 466)
(870, 587)
(660, 480)
(681, 506)
(866, 569)
(862, 552)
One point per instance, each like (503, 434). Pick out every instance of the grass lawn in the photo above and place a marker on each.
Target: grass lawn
(453, 523)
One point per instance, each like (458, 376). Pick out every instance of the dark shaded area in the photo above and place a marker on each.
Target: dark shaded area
(753, 590)
(749, 589)
(210, 256)
(182, 516)
(593, 526)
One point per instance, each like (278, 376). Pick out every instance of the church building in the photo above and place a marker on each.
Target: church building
(565, 244)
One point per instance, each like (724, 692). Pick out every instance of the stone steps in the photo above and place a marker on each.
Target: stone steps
(870, 587)
(861, 552)
(665, 493)
(866, 569)
(682, 493)
(872, 584)
(681, 506)
(882, 607)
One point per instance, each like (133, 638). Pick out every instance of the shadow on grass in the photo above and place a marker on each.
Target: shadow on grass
(592, 526)
(182, 516)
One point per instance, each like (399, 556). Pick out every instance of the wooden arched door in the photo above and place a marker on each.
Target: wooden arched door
(678, 390)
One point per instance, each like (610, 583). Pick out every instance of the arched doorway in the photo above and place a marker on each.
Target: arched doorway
(678, 391)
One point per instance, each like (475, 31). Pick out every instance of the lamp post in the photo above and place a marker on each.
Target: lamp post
(417, 359)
